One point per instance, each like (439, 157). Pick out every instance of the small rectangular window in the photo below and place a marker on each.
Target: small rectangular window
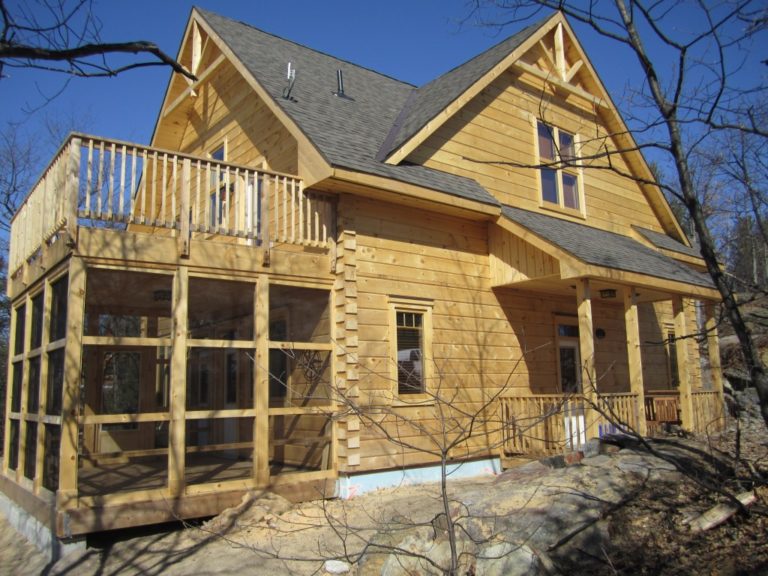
(37, 322)
(58, 325)
(558, 176)
(18, 338)
(410, 352)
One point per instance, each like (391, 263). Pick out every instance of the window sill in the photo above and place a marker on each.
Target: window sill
(413, 400)
(550, 207)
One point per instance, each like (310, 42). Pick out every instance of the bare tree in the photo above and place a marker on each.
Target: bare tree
(64, 36)
(693, 91)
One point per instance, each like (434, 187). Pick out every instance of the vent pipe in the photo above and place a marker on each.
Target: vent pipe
(339, 83)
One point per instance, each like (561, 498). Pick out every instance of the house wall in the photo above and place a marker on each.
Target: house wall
(484, 340)
(492, 139)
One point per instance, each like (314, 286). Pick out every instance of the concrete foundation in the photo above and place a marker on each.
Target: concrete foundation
(37, 533)
(354, 485)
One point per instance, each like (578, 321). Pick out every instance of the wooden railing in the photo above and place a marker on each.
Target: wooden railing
(555, 423)
(108, 183)
(708, 411)
(662, 407)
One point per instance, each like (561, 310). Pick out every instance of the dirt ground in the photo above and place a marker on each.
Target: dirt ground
(625, 512)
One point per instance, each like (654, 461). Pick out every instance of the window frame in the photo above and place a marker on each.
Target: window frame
(574, 169)
(415, 306)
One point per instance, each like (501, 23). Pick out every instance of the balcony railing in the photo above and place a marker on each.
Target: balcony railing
(98, 182)
(556, 423)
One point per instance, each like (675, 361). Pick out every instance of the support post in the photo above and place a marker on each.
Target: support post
(72, 189)
(73, 360)
(635, 358)
(715, 366)
(587, 353)
(683, 363)
(9, 389)
(24, 392)
(43, 390)
(261, 392)
(177, 428)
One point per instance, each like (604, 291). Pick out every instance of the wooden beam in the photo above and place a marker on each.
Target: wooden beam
(587, 353)
(572, 71)
(178, 400)
(683, 362)
(196, 48)
(635, 357)
(43, 386)
(190, 90)
(559, 52)
(66, 497)
(575, 90)
(713, 347)
(261, 383)
(9, 390)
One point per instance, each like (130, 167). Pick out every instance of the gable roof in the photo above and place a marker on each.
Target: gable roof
(428, 101)
(605, 249)
(348, 132)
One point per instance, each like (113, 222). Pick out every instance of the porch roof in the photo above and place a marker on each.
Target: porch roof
(604, 249)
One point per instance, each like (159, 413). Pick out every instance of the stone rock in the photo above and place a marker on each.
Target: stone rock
(336, 567)
(507, 559)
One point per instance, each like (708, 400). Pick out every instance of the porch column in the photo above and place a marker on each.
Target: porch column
(683, 363)
(177, 450)
(66, 497)
(261, 391)
(713, 346)
(587, 352)
(635, 357)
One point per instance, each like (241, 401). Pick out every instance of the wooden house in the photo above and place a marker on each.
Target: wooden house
(312, 262)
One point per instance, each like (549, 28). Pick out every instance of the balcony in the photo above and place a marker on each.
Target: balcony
(100, 183)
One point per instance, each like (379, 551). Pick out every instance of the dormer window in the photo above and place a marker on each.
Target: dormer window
(558, 175)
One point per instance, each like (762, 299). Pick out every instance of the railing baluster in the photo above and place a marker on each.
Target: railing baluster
(88, 178)
(144, 176)
(198, 206)
(164, 189)
(132, 192)
(121, 202)
(153, 211)
(174, 191)
(238, 202)
(100, 179)
(111, 186)
(293, 209)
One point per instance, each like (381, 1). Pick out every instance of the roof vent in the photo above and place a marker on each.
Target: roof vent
(291, 81)
(340, 86)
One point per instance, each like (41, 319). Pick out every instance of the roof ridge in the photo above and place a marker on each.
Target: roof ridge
(205, 12)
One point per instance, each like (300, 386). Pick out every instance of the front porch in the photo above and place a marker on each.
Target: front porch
(551, 424)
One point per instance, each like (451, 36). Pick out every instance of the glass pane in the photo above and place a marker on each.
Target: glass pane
(570, 191)
(546, 142)
(566, 146)
(33, 392)
(37, 322)
(220, 309)
(59, 308)
(21, 317)
(121, 381)
(219, 378)
(55, 382)
(568, 330)
(30, 450)
(13, 456)
(120, 303)
(16, 386)
(569, 370)
(549, 185)
(299, 377)
(410, 375)
(219, 449)
(299, 442)
(51, 457)
(304, 313)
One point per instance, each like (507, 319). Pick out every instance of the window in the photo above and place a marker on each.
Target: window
(559, 185)
(411, 345)
(219, 198)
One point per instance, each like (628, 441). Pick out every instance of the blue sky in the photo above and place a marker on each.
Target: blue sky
(413, 40)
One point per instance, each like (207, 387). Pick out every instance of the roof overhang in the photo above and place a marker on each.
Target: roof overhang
(531, 271)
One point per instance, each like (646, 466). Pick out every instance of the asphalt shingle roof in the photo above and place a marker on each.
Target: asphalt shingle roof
(665, 242)
(603, 248)
(428, 101)
(348, 132)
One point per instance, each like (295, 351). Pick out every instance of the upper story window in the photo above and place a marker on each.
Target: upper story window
(411, 345)
(219, 196)
(559, 182)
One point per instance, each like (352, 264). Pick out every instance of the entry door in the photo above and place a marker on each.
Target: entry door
(570, 384)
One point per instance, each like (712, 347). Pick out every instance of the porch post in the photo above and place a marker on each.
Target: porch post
(713, 346)
(177, 441)
(261, 392)
(587, 352)
(683, 363)
(635, 357)
(66, 497)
